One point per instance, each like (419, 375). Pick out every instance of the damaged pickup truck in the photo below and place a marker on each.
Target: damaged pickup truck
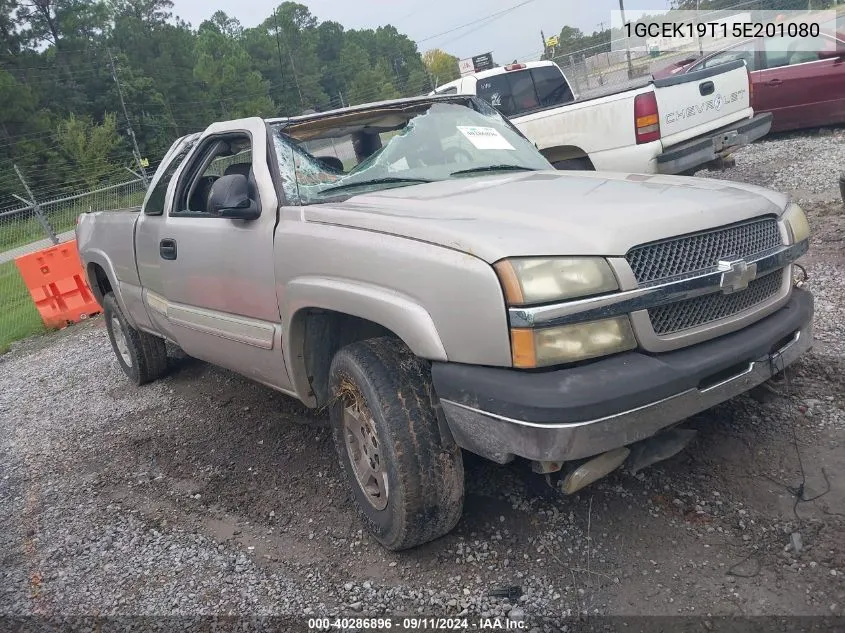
(420, 269)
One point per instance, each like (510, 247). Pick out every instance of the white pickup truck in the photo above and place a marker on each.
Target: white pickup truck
(677, 125)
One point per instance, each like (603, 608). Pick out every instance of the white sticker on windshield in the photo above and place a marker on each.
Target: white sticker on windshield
(485, 137)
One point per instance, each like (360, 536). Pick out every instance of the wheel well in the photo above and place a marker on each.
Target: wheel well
(323, 333)
(564, 152)
(99, 280)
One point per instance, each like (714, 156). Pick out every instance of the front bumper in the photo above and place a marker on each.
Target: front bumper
(715, 145)
(569, 414)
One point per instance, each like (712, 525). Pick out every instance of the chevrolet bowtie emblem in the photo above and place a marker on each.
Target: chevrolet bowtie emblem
(736, 274)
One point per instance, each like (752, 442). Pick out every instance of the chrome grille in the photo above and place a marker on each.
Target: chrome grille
(683, 315)
(701, 251)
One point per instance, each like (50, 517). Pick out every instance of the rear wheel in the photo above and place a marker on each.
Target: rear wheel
(142, 356)
(407, 482)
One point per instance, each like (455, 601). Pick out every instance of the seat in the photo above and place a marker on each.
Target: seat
(199, 198)
(332, 162)
(238, 168)
(252, 189)
(244, 169)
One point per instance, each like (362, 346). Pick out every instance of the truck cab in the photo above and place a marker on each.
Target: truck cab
(418, 269)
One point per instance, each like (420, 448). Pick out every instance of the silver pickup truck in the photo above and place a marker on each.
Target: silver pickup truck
(420, 269)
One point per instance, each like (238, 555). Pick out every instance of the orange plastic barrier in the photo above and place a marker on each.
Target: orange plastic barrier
(56, 282)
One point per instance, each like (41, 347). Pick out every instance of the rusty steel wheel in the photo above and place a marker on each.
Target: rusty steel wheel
(362, 447)
(405, 477)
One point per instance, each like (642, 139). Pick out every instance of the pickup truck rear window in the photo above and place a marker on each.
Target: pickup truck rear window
(515, 93)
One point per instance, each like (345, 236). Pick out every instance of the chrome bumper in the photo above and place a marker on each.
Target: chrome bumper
(713, 145)
(501, 438)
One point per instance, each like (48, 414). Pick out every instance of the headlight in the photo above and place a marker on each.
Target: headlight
(797, 224)
(571, 343)
(532, 280)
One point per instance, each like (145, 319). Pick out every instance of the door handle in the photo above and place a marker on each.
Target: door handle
(706, 88)
(167, 249)
(774, 82)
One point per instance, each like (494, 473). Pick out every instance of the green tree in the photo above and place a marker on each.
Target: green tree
(225, 70)
(10, 41)
(149, 12)
(373, 84)
(284, 49)
(88, 149)
(56, 79)
(572, 41)
(442, 66)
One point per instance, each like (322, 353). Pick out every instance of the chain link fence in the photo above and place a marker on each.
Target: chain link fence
(34, 227)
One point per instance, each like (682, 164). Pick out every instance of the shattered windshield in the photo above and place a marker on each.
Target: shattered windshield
(360, 152)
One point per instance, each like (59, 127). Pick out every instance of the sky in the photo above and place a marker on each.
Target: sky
(514, 34)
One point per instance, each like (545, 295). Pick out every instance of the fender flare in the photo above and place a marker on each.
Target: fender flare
(99, 257)
(389, 308)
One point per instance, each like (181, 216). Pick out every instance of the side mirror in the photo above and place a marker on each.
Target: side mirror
(229, 198)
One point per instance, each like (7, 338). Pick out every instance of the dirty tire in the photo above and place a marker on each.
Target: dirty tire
(425, 475)
(143, 357)
(574, 164)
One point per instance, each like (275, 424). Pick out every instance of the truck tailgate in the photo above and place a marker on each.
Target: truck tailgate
(696, 103)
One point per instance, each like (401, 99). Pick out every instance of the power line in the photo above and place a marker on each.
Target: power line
(492, 15)
(473, 30)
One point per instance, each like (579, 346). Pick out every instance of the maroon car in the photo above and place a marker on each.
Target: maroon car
(801, 85)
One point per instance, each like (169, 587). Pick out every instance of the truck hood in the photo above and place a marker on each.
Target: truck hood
(550, 212)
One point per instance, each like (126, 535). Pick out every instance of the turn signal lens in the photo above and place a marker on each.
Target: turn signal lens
(570, 343)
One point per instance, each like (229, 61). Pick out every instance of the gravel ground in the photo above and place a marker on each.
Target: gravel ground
(805, 164)
(207, 494)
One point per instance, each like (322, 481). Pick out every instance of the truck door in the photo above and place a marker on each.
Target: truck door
(158, 198)
(215, 281)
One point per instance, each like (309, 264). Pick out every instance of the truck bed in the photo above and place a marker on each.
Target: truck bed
(610, 90)
(112, 232)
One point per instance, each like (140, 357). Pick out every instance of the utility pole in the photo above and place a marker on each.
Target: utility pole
(290, 56)
(700, 46)
(627, 47)
(36, 209)
(279, 47)
(137, 151)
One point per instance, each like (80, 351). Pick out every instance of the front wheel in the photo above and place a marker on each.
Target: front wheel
(141, 356)
(407, 482)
